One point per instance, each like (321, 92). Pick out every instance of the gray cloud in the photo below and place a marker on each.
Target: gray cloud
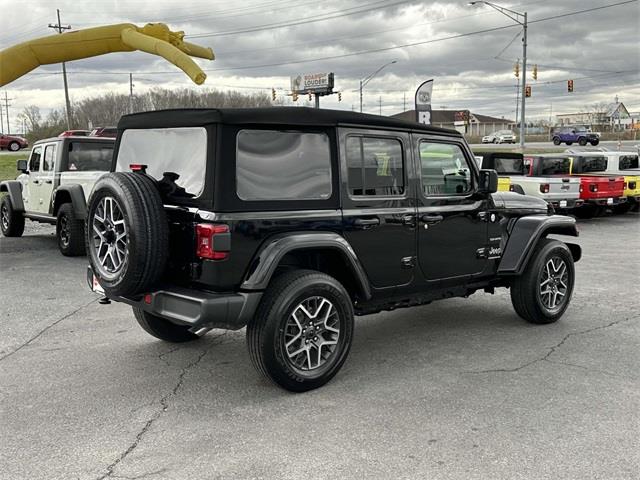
(587, 48)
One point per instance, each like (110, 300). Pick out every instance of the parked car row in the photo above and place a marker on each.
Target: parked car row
(583, 183)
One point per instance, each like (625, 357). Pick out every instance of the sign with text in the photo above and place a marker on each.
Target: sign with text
(312, 83)
(423, 102)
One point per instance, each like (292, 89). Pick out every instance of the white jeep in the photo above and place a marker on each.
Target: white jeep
(54, 186)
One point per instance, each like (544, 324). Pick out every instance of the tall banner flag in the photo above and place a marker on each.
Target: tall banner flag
(423, 102)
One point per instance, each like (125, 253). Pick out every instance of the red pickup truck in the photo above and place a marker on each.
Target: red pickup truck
(598, 191)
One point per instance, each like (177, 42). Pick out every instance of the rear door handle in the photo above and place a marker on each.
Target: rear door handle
(366, 222)
(48, 181)
(36, 182)
(431, 219)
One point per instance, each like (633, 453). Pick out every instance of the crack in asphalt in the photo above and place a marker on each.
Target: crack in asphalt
(164, 405)
(51, 325)
(553, 348)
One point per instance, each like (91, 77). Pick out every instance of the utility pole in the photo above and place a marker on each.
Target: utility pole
(131, 93)
(6, 106)
(523, 127)
(59, 29)
(317, 100)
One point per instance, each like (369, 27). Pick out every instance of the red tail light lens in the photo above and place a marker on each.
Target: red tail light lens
(593, 187)
(212, 241)
(511, 188)
(581, 188)
(138, 167)
(544, 188)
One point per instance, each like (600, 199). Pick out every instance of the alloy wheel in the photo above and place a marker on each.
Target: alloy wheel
(109, 235)
(311, 333)
(64, 231)
(554, 283)
(4, 214)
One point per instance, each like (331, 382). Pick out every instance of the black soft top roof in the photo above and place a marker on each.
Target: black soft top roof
(292, 116)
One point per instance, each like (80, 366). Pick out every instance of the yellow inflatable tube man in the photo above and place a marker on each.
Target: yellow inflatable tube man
(154, 38)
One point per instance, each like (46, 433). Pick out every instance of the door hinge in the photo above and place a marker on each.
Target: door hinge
(408, 262)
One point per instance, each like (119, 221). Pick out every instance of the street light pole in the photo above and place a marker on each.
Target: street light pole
(367, 79)
(513, 15)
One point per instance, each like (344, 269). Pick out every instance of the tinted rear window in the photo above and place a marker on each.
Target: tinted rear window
(589, 164)
(554, 166)
(85, 156)
(177, 157)
(628, 161)
(283, 165)
(509, 166)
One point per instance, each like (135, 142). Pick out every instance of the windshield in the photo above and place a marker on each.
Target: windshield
(509, 166)
(589, 164)
(176, 157)
(627, 162)
(555, 166)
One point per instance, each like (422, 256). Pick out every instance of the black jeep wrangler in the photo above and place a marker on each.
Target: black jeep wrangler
(290, 221)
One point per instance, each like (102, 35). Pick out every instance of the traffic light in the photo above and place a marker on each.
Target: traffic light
(569, 86)
(535, 72)
(527, 91)
(516, 70)
(295, 96)
(273, 94)
(339, 96)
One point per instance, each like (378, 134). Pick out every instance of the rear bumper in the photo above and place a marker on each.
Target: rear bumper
(195, 308)
(567, 204)
(605, 201)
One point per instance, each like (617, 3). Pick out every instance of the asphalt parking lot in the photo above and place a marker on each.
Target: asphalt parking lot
(460, 389)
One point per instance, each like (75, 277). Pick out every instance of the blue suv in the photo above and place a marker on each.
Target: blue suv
(571, 134)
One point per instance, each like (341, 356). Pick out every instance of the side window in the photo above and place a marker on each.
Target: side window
(283, 165)
(375, 166)
(444, 169)
(34, 162)
(91, 156)
(49, 158)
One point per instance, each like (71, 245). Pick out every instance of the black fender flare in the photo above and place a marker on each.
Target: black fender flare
(14, 189)
(525, 234)
(76, 194)
(271, 252)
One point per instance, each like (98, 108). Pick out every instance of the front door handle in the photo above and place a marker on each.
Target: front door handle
(36, 182)
(366, 222)
(48, 181)
(431, 219)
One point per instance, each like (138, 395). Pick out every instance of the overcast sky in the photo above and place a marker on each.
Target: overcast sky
(599, 50)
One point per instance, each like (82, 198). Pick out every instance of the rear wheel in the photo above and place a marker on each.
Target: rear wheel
(586, 211)
(162, 328)
(582, 142)
(14, 146)
(301, 334)
(543, 292)
(11, 222)
(70, 232)
(127, 233)
(595, 142)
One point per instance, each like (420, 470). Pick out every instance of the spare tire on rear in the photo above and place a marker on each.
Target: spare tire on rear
(127, 233)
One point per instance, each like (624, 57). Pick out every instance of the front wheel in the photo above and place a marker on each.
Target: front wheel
(582, 142)
(595, 142)
(11, 222)
(301, 334)
(543, 292)
(556, 141)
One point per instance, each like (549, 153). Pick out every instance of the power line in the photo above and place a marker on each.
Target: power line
(311, 19)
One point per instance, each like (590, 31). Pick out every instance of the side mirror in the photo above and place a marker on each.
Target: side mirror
(22, 166)
(488, 182)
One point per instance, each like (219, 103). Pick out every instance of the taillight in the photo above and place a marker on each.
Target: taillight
(138, 167)
(213, 241)
(593, 187)
(544, 188)
(624, 186)
(581, 188)
(512, 188)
